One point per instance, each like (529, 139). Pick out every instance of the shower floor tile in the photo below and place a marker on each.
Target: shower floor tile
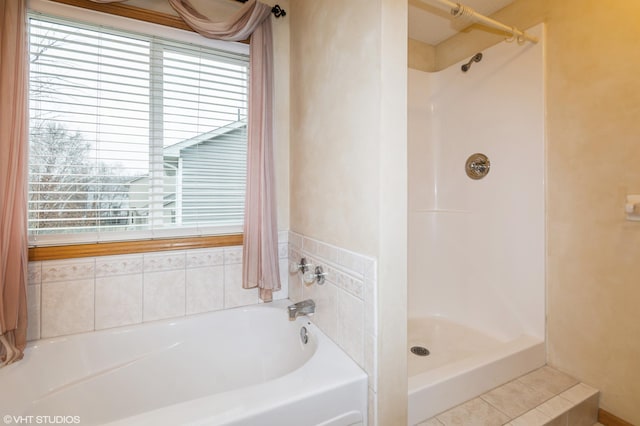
(543, 397)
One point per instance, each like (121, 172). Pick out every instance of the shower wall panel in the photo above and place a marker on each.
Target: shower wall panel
(477, 247)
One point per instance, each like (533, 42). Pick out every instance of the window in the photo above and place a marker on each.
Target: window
(132, 136)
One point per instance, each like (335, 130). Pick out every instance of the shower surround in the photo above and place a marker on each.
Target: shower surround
(476, 246)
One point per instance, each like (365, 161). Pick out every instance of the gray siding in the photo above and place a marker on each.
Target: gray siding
(219, 167)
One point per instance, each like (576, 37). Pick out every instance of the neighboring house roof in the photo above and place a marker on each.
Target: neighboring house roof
(174, 150)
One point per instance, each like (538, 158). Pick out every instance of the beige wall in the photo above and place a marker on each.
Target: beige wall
(393, 215)
(335, 98)
(282, 98)
(348, 155)
(593, 160)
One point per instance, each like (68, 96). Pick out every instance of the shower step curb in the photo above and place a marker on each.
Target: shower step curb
(543, 397)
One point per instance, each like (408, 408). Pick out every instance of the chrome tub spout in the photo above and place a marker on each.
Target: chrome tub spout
(306, 307)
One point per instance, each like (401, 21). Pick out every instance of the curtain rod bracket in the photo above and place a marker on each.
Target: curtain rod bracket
(278, 11)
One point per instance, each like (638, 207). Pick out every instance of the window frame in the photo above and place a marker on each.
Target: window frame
(140, 21)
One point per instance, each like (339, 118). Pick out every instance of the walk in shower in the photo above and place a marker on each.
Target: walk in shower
(476, 225)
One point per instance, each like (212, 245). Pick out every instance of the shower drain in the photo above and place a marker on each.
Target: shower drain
(419, 350)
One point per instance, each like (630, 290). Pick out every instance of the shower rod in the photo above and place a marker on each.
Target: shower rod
(459, 10)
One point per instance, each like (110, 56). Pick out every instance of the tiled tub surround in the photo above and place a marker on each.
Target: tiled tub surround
(95, 293)
(345, 303)
(542, 397)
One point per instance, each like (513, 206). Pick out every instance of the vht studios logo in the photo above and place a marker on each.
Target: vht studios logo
(40, 420)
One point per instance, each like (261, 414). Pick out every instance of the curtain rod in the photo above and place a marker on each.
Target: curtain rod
(459, 10)
(276, 10)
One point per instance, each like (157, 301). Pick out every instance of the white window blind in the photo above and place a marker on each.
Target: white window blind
(132, 136)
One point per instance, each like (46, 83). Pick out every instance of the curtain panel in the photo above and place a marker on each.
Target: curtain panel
(13, 180)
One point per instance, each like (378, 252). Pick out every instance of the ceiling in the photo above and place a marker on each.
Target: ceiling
(432, 23)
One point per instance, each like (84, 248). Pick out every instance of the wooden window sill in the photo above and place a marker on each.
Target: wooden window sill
(131, 247)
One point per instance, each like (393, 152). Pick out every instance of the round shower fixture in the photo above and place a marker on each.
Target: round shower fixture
(477, 166)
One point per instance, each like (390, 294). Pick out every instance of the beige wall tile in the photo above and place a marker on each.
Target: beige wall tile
(556, 406)
(472, 413)
(234, 294)
(67, 270)
(295, 286)
(561, 420)
(232, 255)
(67, 306)
(531, 418)
(118, 265)
(343, 310)
(370, 307)
(515, 398)
(283, 293)
(164, 295)
(33, 312)
(35, 273)
(154, 262)
(350, 326)
(118, 300)
(205, 258)
(370, 360)
(295, 240)
(326, 315)
(119, 286)
(283, 250)
(548, 379)
(585, 413)
(205, 289)
(579, 393)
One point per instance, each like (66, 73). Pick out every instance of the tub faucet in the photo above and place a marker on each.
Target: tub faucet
(305, 307)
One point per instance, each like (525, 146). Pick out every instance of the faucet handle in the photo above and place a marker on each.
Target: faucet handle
(318, 275)
(302, 266)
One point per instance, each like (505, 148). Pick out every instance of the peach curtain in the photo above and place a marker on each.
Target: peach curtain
(13, 179)
(260, 250)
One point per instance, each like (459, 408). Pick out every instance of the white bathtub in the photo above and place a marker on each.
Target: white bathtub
(244, 366)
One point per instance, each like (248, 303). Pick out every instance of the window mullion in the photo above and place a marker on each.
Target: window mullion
(179, 192)
(156, 138)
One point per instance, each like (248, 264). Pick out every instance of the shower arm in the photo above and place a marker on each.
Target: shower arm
(458, 10)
